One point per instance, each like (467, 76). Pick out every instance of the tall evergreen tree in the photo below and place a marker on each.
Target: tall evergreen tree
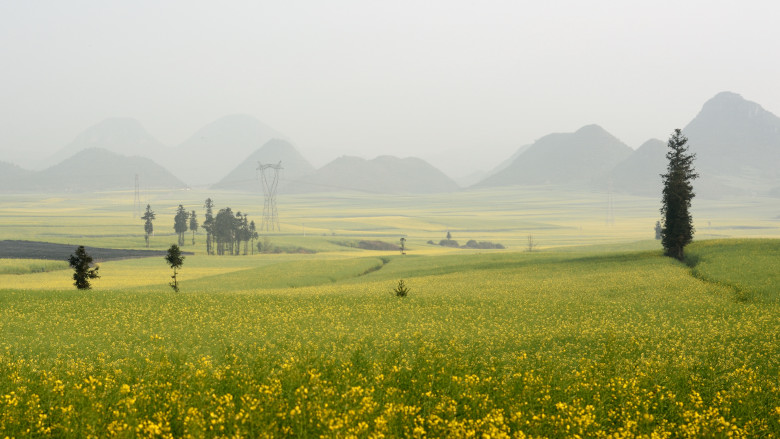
(80, 261)
(148, 226)
(208, 225)
(677, 230)
(193, 225)
(180, 223)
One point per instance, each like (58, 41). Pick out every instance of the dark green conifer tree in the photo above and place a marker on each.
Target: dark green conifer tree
(677, 230)
(81, 261)
(175, 260)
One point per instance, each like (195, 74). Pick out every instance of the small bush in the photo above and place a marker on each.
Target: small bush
(483, 245)
(369, 245)
(268, 248)
(401, 290)
(378, 245)
(449, 243)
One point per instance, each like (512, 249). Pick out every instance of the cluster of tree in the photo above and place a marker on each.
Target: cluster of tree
(449, 242)
(225, 231)
(471, 243)
(184, 221)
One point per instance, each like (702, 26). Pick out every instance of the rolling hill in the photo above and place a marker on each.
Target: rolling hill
(97, 169)
(10, 174)
(582, 157)
(640, 173)
(244, 176)
(384, 174)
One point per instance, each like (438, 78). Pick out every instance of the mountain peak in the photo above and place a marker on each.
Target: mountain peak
(383, 174)
(122, 135)
(728, 104)
(114, 131)
(219, 147)
(244, 176)
(591, 129)
(732, 135)
(564, 158)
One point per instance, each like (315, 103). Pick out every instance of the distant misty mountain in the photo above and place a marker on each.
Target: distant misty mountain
(385, 174)
(583, 157)
(508, 162)
(121, 135)
(244, 176)
(737, 144)
(11, 171)
(96, 169)
(216, 149)
(640, 173)
(11, 176)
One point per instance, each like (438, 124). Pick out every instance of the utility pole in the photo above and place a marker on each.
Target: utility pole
(137, 198)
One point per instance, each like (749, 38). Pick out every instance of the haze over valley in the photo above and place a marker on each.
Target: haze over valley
(737, 143)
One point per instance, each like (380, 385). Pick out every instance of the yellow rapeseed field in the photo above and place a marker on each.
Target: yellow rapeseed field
(626, 344)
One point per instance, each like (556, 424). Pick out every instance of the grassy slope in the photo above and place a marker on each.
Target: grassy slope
(544, 343)
(750, 267)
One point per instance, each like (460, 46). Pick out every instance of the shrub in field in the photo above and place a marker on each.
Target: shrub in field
(449, 243)
(80, 261)
(483, 245)
(378, 245)
(175, 260)
(401, 290)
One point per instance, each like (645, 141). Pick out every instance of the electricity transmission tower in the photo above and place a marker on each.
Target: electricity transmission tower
(137, 198)
(269, 178)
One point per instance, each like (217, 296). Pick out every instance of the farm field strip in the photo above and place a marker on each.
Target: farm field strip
(507, 215)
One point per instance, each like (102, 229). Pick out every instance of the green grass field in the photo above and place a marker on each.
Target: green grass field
(594, 337)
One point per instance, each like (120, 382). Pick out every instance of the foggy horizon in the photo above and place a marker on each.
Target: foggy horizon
(468, 82)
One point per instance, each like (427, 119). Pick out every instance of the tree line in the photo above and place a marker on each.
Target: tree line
(226, 232)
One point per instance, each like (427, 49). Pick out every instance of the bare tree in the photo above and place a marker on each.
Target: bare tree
(531, 243)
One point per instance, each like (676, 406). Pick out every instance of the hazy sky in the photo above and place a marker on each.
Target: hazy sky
(424, 78)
